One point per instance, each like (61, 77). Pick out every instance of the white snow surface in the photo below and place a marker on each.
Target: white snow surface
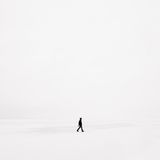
(27, 140)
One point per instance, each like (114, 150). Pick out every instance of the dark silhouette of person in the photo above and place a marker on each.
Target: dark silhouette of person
(80, 125)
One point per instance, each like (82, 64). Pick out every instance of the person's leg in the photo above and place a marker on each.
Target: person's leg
(78, 129)
(82, 129)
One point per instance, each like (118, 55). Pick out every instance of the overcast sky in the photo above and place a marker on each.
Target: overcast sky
(63, 59)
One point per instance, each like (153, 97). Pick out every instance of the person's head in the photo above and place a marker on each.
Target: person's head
(80, 118)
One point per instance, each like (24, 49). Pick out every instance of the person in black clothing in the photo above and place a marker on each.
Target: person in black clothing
(80, 125)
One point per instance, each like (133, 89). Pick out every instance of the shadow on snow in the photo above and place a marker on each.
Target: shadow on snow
(72, 129)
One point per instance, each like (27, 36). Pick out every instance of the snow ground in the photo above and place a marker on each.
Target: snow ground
(114, 141)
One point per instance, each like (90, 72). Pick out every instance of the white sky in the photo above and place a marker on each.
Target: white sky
(64, 59)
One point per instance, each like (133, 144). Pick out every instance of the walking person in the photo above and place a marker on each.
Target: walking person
(80, 125)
